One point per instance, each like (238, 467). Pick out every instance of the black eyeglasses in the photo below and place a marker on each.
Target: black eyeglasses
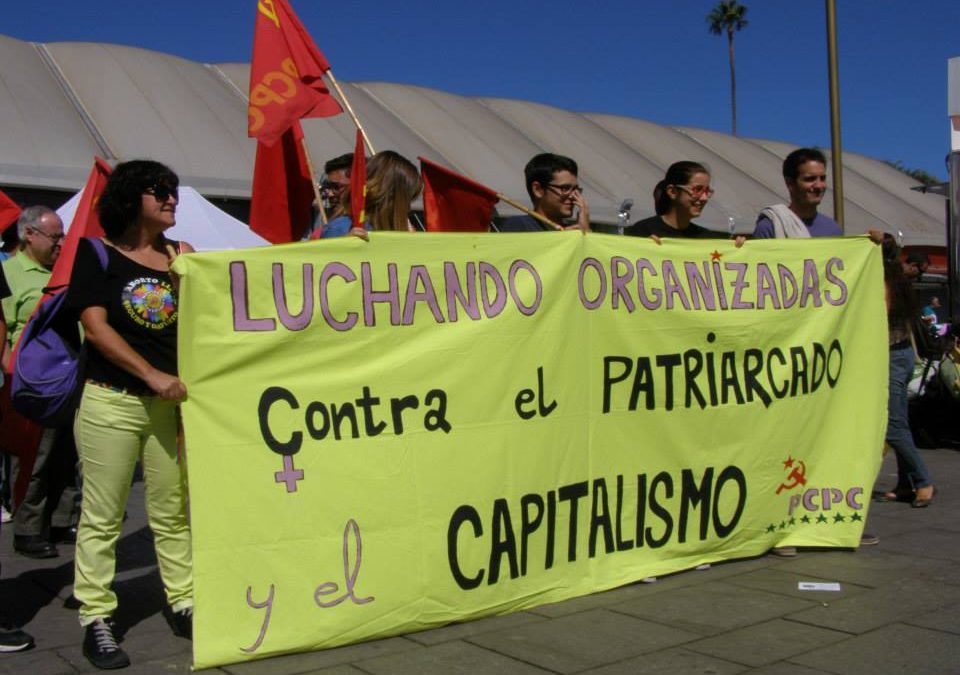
(163, 192)
(565, 190)
(54, 238)
(331, 186)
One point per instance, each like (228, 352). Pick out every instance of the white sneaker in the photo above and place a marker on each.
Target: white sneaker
(704, 566)
(5, 516)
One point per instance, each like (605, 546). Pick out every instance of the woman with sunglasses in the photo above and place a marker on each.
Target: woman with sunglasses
(128, 410)
(679, 198)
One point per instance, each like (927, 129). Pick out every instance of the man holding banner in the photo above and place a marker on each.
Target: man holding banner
(534, 419)
(555, 193)
(805, 174)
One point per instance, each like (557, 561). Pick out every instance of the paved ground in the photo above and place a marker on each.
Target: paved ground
(898, 612)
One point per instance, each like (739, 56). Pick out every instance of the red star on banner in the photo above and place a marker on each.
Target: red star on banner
(715, 256)
(788, 464)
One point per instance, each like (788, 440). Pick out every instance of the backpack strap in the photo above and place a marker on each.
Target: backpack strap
(101, 250)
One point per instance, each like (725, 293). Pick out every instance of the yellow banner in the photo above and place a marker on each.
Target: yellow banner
(421, 429)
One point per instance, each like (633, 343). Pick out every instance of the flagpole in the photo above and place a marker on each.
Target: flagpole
(346, 102)
(517, 205)
(313, 180)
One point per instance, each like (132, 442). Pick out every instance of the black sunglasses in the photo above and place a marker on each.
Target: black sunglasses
(163, 192)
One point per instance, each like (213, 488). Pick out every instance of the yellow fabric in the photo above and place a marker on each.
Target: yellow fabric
(479, 438)
(113, 430)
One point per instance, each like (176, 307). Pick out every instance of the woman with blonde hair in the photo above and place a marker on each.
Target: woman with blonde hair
(393, 182)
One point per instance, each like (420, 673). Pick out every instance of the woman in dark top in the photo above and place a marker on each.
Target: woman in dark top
(129, 405)
(679, 198)
(913, 478)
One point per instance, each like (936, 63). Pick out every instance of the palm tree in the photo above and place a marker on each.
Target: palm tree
(729, 16)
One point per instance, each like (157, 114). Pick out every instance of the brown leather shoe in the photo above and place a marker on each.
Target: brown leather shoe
(923, 499)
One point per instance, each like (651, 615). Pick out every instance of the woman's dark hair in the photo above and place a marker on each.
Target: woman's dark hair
(679, 173)
(120, 203)
(902, 307)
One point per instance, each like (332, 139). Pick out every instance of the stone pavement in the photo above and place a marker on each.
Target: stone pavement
(898, 612)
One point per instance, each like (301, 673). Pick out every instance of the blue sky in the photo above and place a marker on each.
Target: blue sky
(652, 60)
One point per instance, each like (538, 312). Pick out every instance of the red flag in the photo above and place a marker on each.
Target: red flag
(280, 206)
(453, 203)
(286, 71)
(9, 211)
(86, 223)
(358, 183)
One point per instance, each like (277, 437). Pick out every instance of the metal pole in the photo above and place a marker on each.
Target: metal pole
(836, 151)
(953, 198)
(953, 236)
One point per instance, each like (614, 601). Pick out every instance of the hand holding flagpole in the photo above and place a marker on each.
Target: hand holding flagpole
(517, 205)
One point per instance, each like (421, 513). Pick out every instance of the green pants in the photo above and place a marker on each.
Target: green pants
(113, 430)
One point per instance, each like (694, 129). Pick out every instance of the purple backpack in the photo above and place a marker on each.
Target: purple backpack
(47, 373)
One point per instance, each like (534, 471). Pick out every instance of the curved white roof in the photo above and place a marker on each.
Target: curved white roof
(61, 103)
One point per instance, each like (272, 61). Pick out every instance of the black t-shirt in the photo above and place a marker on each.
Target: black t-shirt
(4, 287)
(658, 226)
(141, 305)
(522, 224)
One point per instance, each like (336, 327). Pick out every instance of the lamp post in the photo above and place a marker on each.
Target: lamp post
(953, 163)
(836, 151)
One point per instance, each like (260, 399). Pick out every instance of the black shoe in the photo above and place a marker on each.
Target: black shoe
(12, 639)
(34, 546)
(63, 535)
(100, 646)
(182, 623)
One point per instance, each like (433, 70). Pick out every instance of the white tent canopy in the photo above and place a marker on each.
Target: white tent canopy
(199, 222)
(61, 103)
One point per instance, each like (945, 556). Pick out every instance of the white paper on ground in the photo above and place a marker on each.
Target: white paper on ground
(818, 586)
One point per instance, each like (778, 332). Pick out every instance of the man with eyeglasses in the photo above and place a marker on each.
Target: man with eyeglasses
(336, 179)
(805, 174)
(35, 526)
(555, 193)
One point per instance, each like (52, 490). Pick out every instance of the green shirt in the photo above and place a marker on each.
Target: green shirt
(27, 279)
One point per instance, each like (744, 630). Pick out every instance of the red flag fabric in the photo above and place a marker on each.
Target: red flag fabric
(86, 223)
(9, 211)
(358, 183)
(280, 205)
(454, 203)
(286, 71)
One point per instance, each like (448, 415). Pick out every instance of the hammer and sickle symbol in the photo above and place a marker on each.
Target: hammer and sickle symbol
(798, 476)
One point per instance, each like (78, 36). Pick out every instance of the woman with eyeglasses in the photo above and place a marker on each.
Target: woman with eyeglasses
(128, 411)
(393, 182)
(679, 198)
